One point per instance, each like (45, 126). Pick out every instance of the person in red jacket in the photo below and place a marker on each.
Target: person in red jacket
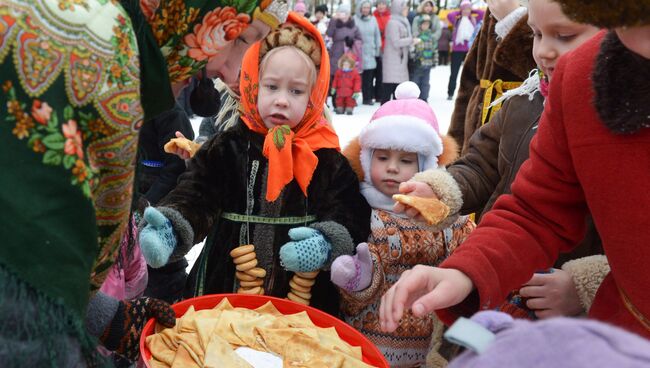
(346, 85)
(591, 153)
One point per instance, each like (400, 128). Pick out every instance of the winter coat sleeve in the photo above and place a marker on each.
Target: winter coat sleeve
(587, 274)
(343, 213)
(357, 83)
(525, 231)
(437, 29)
(393, 37)
(336, 82)
(357, 35)
(331, 28)
(453, 16)
(415, 27)
(167, 124)
(477, 172)
(194, 204)
(469, 79)
(377, 39)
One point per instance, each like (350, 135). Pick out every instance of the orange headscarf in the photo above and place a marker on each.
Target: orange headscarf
(290, 152)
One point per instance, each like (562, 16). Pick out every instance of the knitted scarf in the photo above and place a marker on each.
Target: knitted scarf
(290, 151)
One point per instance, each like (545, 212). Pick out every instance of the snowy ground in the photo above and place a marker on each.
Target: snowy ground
(349, 126)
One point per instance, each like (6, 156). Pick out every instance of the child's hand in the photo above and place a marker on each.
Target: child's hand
(416, 189)
(182, 147)
(157, 239)
(309, 250)
(353, 273)
(356, 95)
(552, 294)
(423, 289)
(416, 41)
(333, 91)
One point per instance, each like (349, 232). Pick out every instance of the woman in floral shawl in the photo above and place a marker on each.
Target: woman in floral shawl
(70, 110)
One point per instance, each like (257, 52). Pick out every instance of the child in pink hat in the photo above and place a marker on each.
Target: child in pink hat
(401, 141)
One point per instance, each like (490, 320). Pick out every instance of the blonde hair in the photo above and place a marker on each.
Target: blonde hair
(306, 59)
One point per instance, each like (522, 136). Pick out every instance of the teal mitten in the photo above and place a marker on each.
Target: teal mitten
(356, 95)
(157, 239)
(308, 251)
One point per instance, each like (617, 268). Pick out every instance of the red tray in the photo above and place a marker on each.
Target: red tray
(371, 354)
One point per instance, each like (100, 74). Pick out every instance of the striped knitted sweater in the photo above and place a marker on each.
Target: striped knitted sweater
(397, 244)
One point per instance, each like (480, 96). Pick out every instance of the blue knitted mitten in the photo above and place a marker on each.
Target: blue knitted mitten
(157, 239)
(308, 251)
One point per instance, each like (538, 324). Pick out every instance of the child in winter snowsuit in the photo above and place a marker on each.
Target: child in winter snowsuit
(425, 55)
(275, 180)
(401, 140)
(346, 85)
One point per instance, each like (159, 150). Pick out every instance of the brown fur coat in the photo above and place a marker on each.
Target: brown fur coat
(510, 60)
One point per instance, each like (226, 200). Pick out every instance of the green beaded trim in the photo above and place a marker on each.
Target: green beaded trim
(296, 220)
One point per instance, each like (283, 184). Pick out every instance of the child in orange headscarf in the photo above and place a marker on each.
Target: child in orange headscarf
(276, 180)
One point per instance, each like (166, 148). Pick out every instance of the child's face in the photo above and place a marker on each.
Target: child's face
(424, 26)
(555, 34)
(390, 168)
(347, 65)
(284, 89)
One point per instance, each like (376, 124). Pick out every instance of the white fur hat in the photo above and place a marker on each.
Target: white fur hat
(406, 124)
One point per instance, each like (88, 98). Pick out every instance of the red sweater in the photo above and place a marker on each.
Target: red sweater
(575, 163)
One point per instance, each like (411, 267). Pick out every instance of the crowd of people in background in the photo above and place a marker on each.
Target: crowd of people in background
(393, 43)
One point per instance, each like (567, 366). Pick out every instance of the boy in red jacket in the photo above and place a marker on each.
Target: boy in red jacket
(591, 153)
(346, 85)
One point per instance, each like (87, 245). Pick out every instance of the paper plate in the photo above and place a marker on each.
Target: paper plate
(371, 354)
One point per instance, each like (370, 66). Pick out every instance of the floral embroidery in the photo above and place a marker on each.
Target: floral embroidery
(41, 111)
(279, 136)
(187, 53)
(122, 42)
(69, 4)
(219, 27)
(73, 144)
(59, 145)
(149, 7)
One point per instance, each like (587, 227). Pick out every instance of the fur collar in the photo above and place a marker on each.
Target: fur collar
(621, 82)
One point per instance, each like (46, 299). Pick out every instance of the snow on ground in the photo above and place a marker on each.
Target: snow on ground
(348, 126)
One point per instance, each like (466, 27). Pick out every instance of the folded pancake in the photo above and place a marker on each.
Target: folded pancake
(433, 210)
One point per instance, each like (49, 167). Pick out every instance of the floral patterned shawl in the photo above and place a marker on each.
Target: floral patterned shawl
(176, 38)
